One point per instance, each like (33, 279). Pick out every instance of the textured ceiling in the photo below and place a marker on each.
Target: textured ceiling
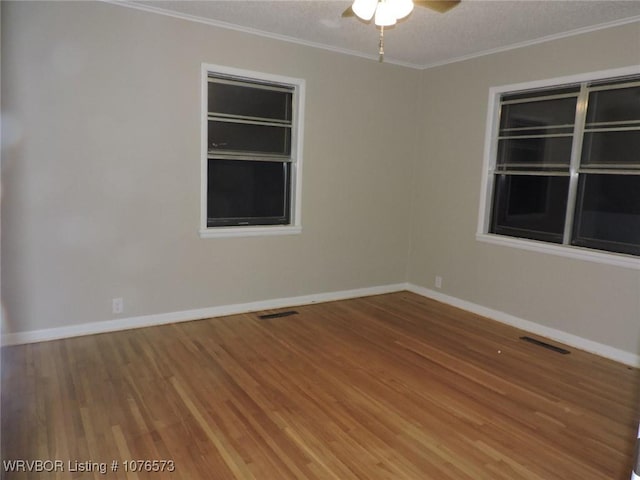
(425, 38)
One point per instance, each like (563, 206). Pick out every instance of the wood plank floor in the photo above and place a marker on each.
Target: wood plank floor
(387, 387)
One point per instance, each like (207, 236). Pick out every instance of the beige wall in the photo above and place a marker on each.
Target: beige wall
(594, 301)
(101, 176)
(102, 188)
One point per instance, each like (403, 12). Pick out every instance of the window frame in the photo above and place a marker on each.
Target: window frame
(297, 132)
(489, 168)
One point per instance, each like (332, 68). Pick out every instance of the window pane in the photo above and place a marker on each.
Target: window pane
(249, 138)
(242, 192)
(528, 94)
(611, 148)
(608, 213)
(535, 152)
(529, 206)
(543, 113)
(249, 101)
(618, 105)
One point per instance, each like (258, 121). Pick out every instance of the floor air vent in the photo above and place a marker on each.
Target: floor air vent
(545, 345)
(288, 313)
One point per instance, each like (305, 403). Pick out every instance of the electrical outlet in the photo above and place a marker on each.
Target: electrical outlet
(438, 281)
(117, 305)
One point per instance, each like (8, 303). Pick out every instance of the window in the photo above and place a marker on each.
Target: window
(563, 165)
(252, 162)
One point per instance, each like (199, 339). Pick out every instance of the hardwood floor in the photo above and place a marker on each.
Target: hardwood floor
(388, 387)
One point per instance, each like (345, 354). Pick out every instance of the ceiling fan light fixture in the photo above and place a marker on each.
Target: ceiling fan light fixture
(401, 8)
(386, 13)
(385, 16)
(364, 8)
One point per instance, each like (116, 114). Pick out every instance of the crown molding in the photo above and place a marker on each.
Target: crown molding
(535, 41)
(345, 51)
(255, 31)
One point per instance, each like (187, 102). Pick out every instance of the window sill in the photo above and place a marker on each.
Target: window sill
(619, 260)
(260, 231)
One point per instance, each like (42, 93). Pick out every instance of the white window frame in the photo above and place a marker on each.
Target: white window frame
(297, 134)
(490, 149)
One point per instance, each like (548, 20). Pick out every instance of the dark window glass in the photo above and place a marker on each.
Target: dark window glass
(542, 113)
(533, 173)
(534, 152)
(249, 138)
(618, 105)
(608, 213)
(249, 101)
(243, 192)
(529, 206)
(611, 147)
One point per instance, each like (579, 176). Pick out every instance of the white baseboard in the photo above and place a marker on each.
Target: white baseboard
(69, 331)
(173, 317)
(600, 349)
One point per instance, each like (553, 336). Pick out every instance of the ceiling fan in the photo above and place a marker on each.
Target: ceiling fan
(386, 13)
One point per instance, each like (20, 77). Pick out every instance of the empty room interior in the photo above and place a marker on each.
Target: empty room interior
(288, 240)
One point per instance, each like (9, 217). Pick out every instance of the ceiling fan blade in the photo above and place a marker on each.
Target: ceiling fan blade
(348, 13)
(440, 6)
